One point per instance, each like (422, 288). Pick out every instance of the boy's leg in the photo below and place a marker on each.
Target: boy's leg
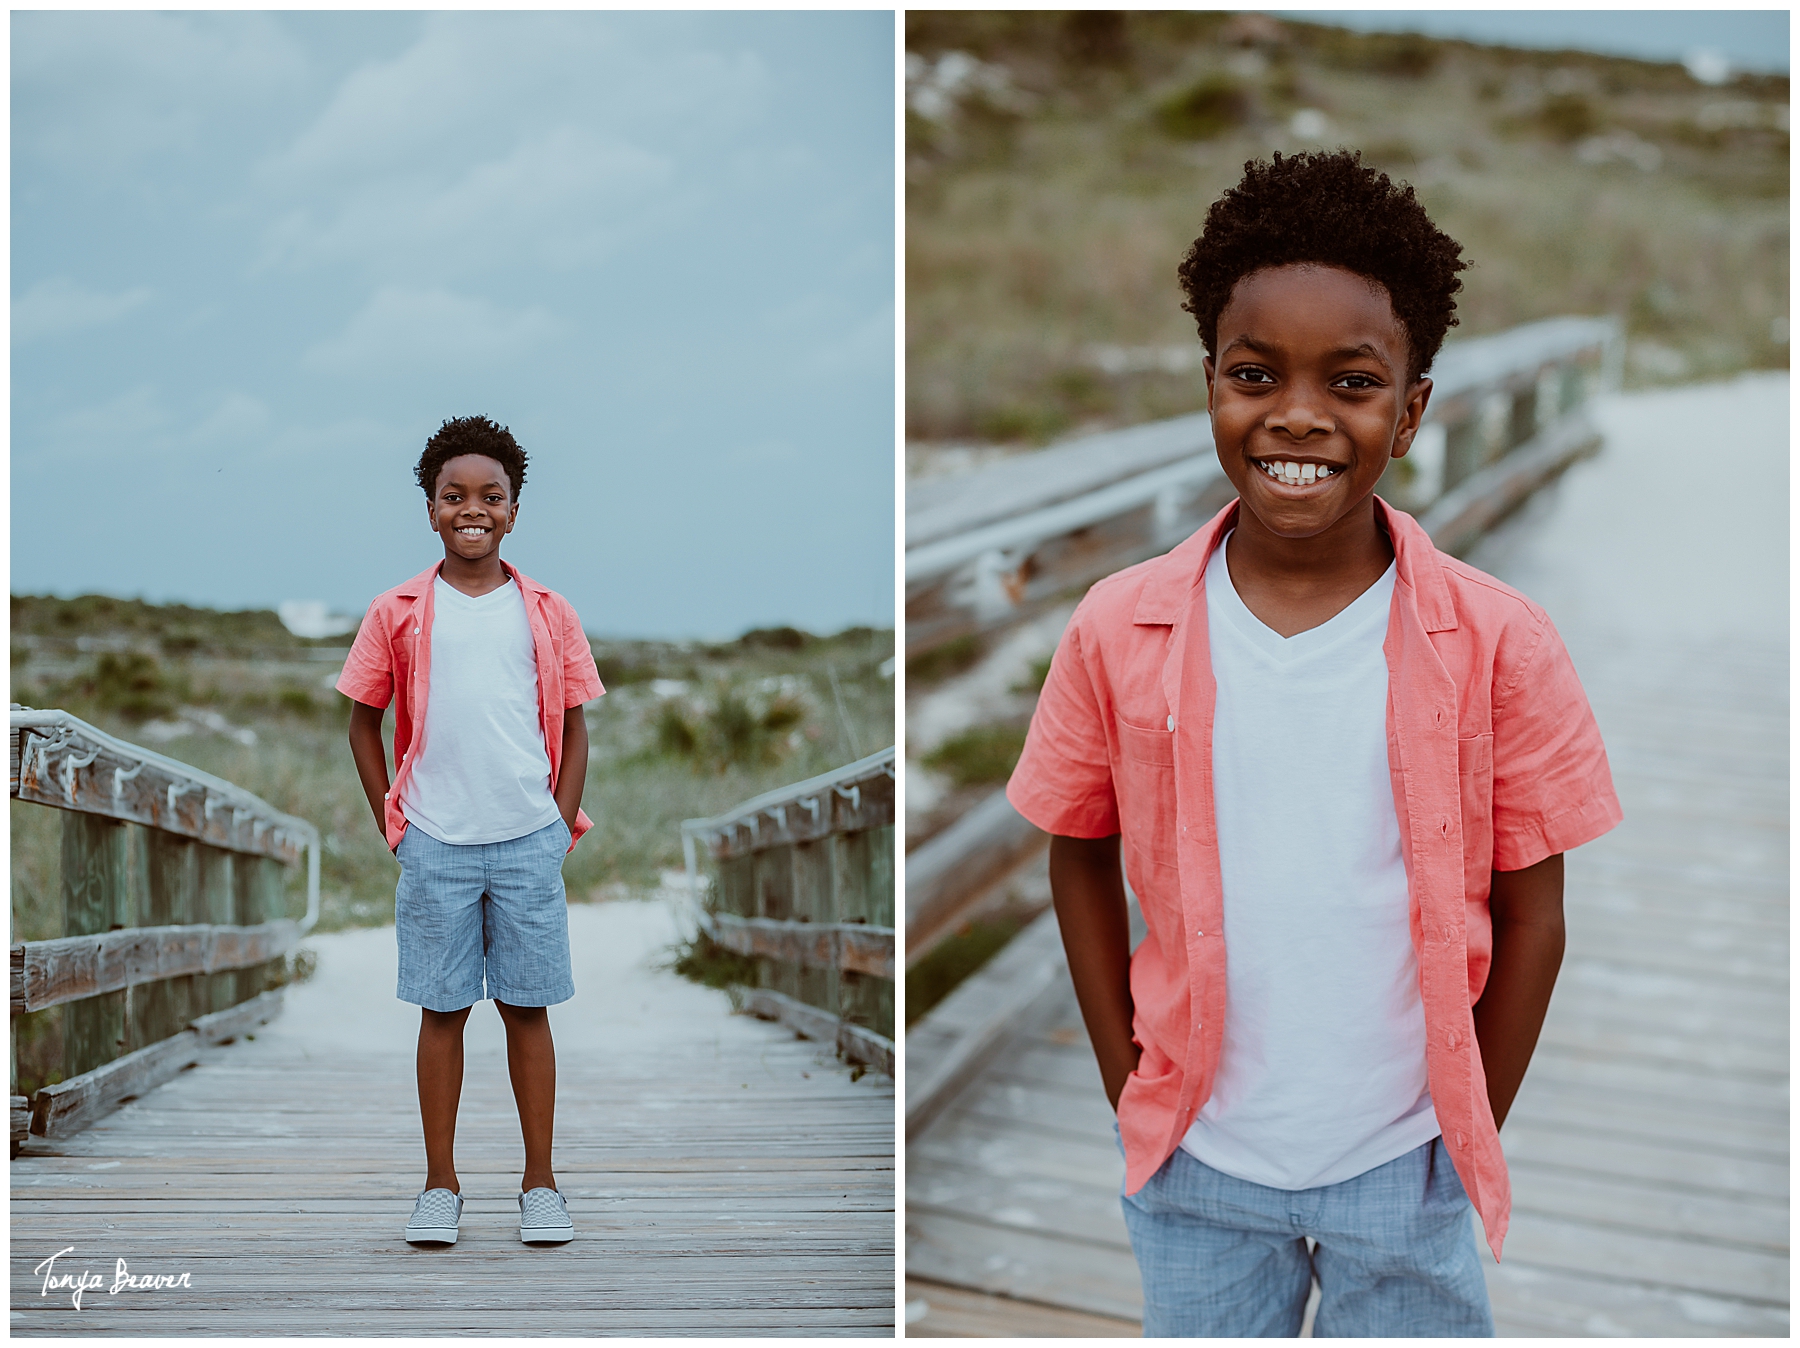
(526, 934)
(1219, 1257)
(440, 1067)
(437, 922)
(1397, 1255)
(531, 1061)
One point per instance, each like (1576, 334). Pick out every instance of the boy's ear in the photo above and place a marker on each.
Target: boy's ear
(1412, 415)
(1206, 364)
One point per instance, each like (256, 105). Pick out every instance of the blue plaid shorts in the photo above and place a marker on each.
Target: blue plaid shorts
(489, 910)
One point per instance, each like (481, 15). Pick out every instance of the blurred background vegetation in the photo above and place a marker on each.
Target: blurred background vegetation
(1059, 164)
(685, 729)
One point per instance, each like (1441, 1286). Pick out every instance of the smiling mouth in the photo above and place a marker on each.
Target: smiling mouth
(1291, 473)
(474, 531)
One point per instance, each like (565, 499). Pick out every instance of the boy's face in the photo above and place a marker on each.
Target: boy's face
(472, 508)
(1311, 371)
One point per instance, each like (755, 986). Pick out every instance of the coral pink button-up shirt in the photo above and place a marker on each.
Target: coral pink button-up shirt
(1496, 764)
(392, 656)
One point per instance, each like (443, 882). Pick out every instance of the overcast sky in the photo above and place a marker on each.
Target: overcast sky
(258, 258)
(1751, 39)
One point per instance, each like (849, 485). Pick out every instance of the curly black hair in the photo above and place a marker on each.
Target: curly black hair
(471, 435)
(1327, 208)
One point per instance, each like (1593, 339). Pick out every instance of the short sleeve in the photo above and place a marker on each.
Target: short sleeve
(1063, 782)
(368, 675)
(1553, 788)
(581, 677)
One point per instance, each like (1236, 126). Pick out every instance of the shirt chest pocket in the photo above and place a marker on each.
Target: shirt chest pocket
(1475, 785)
(1145, 788)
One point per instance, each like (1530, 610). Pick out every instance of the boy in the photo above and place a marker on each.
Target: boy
(489, 670)
(1342, 769)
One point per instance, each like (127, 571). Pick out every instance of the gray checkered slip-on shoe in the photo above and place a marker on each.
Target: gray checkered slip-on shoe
(435, 1216)
(544, 1218)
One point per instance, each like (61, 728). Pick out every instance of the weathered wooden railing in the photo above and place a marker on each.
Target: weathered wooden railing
(172, 895)
(1507, 413)
(986, 549)
(803, 879)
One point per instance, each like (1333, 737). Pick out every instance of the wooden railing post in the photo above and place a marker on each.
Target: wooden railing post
(172, 864)
(95, 899)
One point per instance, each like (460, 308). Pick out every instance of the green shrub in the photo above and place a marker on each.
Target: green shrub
(706, 961)
(937, 975)
(1209, 107)
(131, 684)
(1568, 117)
(984, 754)
(941, 662)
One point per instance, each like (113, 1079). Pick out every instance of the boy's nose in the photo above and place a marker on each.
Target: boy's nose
(1299, 417)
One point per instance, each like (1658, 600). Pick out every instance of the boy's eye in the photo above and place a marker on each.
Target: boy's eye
(1251, 374)
(1359, 381)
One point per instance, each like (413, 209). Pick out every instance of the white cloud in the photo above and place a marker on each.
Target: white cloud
(57, 306)
(237, 422)
(405, 329)
(560, 196)
(94, 90)
(544, 139)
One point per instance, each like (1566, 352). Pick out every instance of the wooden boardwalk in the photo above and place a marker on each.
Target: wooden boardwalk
(725, 1178)
(1648, 1147)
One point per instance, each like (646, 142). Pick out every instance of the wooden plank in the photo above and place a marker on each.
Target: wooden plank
(962, 1035)
(936, 1310)
(1737, 1220)
(48, 973)
(222, 1026)
(73, 766)
(1686, 1265)
(1028, 1265)
(955, 868)
(1533, 1301)
(852, 1040)
(70, 1106)
(815, 945)
(21, 1117)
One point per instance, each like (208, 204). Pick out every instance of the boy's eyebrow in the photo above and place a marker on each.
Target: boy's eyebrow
(457, 486)
(1250, 343)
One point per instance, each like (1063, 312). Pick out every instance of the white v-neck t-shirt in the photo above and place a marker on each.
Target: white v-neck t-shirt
(1322, 1070)
(482, 774)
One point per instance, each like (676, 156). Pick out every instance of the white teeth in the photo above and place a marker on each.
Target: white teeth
(1296, 474)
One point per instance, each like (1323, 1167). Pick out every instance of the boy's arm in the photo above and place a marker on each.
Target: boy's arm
(371, 758)
(1089, 893)
(571, 777)
(1528, 949)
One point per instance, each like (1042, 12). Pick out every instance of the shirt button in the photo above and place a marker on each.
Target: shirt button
(1171, 723)
(1454, 1038)
(1462, 1139)
(1199, 933)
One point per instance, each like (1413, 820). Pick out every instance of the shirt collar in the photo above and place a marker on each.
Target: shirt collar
(421, 583)
(1417, 567)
